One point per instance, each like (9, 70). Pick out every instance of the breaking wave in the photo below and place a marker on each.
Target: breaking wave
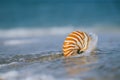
(33, 32)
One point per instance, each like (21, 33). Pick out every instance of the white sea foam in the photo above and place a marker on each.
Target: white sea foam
(18, 75)
(21, 32)
(34, 32)
(12, 63)
(12, 75)
(18, 42)
(26, 32)
(92, 44)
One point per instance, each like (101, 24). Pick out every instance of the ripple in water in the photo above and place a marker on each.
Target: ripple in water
(102, 64)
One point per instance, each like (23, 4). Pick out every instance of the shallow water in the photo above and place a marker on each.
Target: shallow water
(39, 58)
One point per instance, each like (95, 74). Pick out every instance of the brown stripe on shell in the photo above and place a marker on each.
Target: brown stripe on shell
(80, 40)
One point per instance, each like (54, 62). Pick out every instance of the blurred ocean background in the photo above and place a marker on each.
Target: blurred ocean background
(32, 33)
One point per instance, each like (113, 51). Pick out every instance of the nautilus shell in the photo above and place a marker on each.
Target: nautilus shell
(75, 43)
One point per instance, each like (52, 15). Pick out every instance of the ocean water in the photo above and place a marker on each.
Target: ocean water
(59, 13)
(38, 57)
(32, 34)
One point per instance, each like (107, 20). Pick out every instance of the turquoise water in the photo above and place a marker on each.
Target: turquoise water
(57, 13)
(32, 33)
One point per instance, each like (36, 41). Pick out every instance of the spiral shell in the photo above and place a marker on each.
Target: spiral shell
(75, 43)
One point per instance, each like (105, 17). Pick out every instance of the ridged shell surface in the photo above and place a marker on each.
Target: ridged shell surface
(75, 43)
